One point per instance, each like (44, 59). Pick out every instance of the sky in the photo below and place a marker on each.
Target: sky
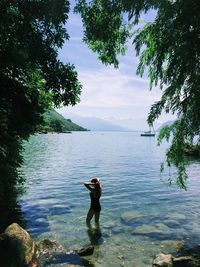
(115, 95)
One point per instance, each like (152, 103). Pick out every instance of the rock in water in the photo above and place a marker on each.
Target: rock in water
(18, 246)
(163, 260)
(50, 253)
(185, 261)
(131, 217)
(86, 251)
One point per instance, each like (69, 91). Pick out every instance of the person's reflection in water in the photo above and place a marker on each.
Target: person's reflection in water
(94, 235)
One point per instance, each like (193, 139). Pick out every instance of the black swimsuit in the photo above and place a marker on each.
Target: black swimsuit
(95, 204)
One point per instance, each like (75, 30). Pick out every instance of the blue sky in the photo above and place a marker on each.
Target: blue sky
(115, 95)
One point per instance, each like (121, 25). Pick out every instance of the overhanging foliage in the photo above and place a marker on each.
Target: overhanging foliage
(168, 47)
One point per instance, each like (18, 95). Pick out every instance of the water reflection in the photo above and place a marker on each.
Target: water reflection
(95, 235)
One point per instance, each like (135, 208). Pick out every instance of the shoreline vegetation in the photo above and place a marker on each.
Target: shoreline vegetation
(53, 122)
(192, 150)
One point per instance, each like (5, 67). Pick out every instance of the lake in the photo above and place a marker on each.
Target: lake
(141, 214)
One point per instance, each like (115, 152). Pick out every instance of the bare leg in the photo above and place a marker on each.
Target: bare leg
(96, 218)
(89, 216)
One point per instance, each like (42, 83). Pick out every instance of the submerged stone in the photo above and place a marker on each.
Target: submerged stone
(176, 216)
(131, 216)
(172, 223)
(148, 229)
(170, 246)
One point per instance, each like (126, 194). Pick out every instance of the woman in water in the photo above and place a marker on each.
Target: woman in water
(95, 193)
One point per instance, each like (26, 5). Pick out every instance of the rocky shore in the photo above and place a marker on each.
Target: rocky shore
(167, 260)
(17, 249)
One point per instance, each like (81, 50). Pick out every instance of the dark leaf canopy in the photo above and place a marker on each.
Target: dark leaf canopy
(32, 79)
(30, 34)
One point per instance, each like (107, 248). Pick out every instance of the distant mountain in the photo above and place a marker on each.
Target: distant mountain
(96, 124)
(55, 122)
(167, 123)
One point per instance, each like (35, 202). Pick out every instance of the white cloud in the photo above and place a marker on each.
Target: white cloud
(109, 88)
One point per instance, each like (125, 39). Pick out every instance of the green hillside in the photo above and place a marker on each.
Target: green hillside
(54, 122)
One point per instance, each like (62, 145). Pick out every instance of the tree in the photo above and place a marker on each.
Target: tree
(169, 50)
(32, 79)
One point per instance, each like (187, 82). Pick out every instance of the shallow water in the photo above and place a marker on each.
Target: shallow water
(141, 215)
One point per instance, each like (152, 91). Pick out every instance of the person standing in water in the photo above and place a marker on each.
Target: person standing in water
(95, 193)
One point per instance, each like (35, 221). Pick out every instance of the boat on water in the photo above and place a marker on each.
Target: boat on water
(149, 133)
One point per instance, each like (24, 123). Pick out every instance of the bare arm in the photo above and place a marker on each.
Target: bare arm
(89, 186)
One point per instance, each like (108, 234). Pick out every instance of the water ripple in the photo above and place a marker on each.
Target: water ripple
(56, 203)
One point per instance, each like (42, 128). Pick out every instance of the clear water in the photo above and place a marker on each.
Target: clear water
(141, 215)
